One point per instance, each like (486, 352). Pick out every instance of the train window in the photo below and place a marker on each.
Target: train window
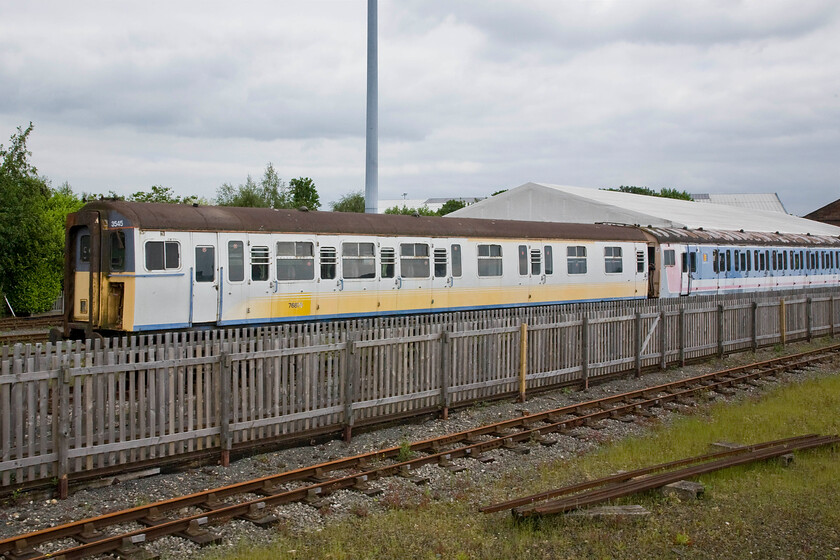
(715, 262)
(668, 258)
(357, 260)
(117, 251)
(737, 259)
(576, 259)
(329, 263)
(536, 262)
(762, 261)
(684, 262)
(693, 259)
(785, 260)
(236, 261)
(205, 264)
(748, 260)
(440, 263)
(549, 260)
(84, 248)
(612, 260)
(163, 255)
(640, 261)
(744, 260)
(295, 260)
(489, 260)
(456, 260)
(388, 262)
(523, 260)
(414, 260)
(728, 260)
(755, 254)
(260, 261)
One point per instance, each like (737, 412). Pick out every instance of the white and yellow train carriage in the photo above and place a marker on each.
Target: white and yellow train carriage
(141, 267)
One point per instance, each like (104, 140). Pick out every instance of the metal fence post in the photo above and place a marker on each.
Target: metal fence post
(351, 371)
(523, 360)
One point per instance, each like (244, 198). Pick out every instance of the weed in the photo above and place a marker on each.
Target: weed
(405, 453)
(682, 539)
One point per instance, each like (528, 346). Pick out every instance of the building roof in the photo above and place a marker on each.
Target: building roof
(829, 214)
(433, 204)
(769, 202)
(182, 217)
(555, 203)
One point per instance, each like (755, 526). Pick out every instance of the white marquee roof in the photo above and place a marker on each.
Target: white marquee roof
(559, 203)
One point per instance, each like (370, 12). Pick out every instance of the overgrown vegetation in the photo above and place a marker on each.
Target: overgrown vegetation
(350, 202)
(755, 511)
(663, 193)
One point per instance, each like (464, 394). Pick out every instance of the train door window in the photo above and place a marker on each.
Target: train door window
(414, 260)
(693, 262)
(762, 261)
(523, 260)
(576, 259)
(802, 262)
(640, 261)
(163, 255)
(669, 258)
(785, 260)
(549, 260)
(456, 260)
(773, 260)
(295, 260)
(536, 262)
(329, 263)
(489, 260)
(612, 260)
(715, 262)
(236, 261)
(737, 260)
(757, 264)
(684, 262)
(746, 261)
(728, 260)
(260, 262)
(388, 262)
(117, 251)
(766, 262)
(84, 248)
(205, 264)
(440, 263)
(358, 260)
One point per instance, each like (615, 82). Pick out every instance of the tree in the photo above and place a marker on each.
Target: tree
(32, 217)
(663, 193)
(350, 202)
(499, 192)
(270, 192)
(450, 206)
(423, 211)
(302, 192)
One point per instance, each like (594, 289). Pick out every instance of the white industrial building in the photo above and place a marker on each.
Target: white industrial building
(555, 203)
(749, 201)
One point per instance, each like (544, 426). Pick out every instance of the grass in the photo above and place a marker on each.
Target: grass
(762, 510)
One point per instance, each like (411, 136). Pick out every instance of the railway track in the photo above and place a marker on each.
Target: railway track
(252, 500)
(27, 329)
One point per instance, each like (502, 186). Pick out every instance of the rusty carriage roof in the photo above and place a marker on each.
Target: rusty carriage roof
(703, 236)
(181, 217)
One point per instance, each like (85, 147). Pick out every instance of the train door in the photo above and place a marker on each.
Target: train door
(294, 277)
(688, 267)
(205, 279)
(415, 275)
(233, 279)
(258, 276)
(441, 274)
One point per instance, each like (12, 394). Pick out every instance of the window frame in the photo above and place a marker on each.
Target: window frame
(164, 255)
(488, 263)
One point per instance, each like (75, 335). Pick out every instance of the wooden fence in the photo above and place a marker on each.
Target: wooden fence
(72, 407)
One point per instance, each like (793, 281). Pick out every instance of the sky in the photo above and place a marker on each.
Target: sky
(475, 96)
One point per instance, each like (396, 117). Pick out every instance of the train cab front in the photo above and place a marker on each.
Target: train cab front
(98, 251)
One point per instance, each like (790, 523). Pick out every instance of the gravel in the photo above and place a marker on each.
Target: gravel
(27, 515)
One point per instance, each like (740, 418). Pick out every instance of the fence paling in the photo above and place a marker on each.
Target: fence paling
(72, 407)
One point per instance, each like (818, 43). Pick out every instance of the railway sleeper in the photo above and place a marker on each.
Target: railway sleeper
(445, 462)
(198, 534)
(365, 488)
(129, 549)
(21, 551)
(405, 472)
(89, 534)
(258, 515)
(516, 447)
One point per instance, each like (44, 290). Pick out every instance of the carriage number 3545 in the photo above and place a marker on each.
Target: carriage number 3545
(116, 223)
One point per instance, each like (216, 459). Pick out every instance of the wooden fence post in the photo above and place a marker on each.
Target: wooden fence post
(809, 316)
(349, 385)
(445, 374)
(720, 330)
(225, 405)
(782, 322)
(831, 316)
(637, 339)
(682, 336)
(584, 351)
(663, 340)
(523, 360)
(62, 431)
(754, 309)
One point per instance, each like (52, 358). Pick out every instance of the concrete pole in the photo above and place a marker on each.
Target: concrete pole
(372, 137)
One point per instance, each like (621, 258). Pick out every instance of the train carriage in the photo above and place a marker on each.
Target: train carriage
(148, 267)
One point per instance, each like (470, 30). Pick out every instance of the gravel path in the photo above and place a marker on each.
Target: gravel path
(29, 515)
